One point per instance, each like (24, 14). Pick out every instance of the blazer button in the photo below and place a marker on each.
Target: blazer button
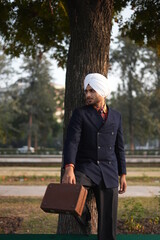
(110, 148)
(99, 147)
(97, 162)
(112, 133)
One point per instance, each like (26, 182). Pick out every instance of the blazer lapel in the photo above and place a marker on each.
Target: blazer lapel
(94, 117)
(109, 120)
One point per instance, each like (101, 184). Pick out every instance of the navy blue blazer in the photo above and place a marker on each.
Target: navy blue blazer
(96, 147)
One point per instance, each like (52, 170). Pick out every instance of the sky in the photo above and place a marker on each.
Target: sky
(58, 74)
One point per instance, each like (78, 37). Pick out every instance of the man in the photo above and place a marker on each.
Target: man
(94, 153)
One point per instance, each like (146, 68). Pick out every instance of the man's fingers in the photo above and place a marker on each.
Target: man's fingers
(74, 180)
(121, 191)
(69, 180)
(123, 188)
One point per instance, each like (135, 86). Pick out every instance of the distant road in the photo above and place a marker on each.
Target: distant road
(30, 160)
(52, 160)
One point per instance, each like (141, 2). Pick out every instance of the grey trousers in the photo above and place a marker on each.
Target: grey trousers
(107, 203)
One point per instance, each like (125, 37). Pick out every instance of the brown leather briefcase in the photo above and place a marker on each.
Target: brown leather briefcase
(64, 198)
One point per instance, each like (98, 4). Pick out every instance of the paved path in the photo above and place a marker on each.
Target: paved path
(38, 191)
(58, 158)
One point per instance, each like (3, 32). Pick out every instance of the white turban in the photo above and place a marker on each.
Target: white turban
(98, 82)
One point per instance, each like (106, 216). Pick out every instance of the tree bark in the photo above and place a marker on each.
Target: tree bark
(35, 142)
(130, 109)
(30, 132)
(90, 26)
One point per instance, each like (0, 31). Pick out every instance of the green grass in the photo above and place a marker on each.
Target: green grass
(45, 175)
(140, 207)
(28, 180)
(144, 180)
(45, 180)
(35, 221)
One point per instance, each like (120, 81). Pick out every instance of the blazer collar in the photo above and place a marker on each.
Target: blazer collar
(96, 119)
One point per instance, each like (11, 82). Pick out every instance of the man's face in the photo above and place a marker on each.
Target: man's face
(92, 97)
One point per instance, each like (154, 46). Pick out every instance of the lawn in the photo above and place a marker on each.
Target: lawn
(45, 175)
(23, 215)
(28, 180)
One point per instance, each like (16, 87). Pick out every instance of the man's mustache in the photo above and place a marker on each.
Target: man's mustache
(88, 98)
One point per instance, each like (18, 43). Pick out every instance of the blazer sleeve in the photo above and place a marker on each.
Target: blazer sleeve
(73, 137)
(119, 149)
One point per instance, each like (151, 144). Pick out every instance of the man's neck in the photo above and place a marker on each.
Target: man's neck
(100, 104)
(101, 109)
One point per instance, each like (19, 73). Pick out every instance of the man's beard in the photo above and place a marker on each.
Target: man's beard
(90, 101)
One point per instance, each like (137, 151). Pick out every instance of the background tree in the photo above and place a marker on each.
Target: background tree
(136, 112)
(151, 74)
(27, 27)
(143, 25)
(6, 107)
(28, 109)
(8, 113)
(5, 68)
(37, 100)
(143, 123)
(138, 92)
(126, 55)
(48, 27)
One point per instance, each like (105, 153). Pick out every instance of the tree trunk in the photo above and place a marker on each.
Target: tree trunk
(30, 132)
(90, 26)
(130, 108)
(35, 142)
